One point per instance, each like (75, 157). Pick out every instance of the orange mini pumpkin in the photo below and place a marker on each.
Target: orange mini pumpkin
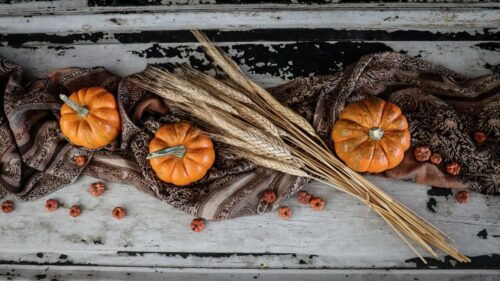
(90, 117)
(180, 153)
(371, 135)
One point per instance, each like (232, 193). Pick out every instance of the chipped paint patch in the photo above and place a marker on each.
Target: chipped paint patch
(478, 262)
(119, 21)
(490, 46)
(274, 59)
(327, 57)
(254, 35)
(483, 234)
(431, 205)
(439, 191)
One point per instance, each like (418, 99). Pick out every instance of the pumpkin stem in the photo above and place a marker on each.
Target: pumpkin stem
(178, 151)
(376, 133)
(82, 110)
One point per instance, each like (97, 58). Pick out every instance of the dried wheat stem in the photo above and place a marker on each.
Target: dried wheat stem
(195, 93)
(219, 59)
(272, 164)
(234, 72)
(271, 135)
(393, 226)
(260, 121)
(243, 146)
(224, 89)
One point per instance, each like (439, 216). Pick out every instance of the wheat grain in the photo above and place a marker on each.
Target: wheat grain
(235, 73)
(183, 86)
(271, 163)
(222, 88)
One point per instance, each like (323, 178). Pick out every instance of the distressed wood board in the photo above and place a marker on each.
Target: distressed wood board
(476, 57)
(154, 235)
(56, 273)
(154, 241)
(345, 235)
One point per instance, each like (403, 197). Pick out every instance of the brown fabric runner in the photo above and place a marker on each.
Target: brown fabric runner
(443, 108)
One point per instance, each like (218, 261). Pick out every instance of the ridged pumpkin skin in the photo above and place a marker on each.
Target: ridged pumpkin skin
(375, 151)
(198, 158)
(99, 127)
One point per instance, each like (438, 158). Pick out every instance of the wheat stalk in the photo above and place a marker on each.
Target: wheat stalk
(269, 134)
(196, 76)
(234, 72)
(224, 91)
(271, 163)
(197, 94)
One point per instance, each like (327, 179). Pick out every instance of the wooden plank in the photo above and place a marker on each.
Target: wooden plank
(155, 234)
(71, 6)
(60, 273)
(238, 18)
(256, 58)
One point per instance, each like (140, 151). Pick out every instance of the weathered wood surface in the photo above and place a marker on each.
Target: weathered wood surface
(252, 18)
(344, 235)
(273, 45)
(472, 58)
(58, 273)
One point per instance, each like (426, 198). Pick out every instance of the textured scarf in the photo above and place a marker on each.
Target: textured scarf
(443, 108)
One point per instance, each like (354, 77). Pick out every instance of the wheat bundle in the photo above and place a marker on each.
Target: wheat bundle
(247, 118)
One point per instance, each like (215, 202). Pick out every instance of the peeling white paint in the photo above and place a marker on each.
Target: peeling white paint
(120, 60)
(152, 227)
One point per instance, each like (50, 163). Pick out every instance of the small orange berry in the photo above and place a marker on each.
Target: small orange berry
(285, 212)
(479, 137)
(422, 153)
(304, 197)
(198, 224)
(75, 211)
(97, 189)
(462, 197)
(453, 168)
(317, 203)
(118, 213)
(80, 160)
(51, 205)
(7, 206)
(436, 158)
(269, 196)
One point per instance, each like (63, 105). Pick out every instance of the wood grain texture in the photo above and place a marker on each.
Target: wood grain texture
(344, 235)
(237, 19)
(60, 273)
(255, 58)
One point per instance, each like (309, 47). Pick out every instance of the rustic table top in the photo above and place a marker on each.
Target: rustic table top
(273, 43)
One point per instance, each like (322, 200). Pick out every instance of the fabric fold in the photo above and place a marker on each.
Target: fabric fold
(443, 108)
